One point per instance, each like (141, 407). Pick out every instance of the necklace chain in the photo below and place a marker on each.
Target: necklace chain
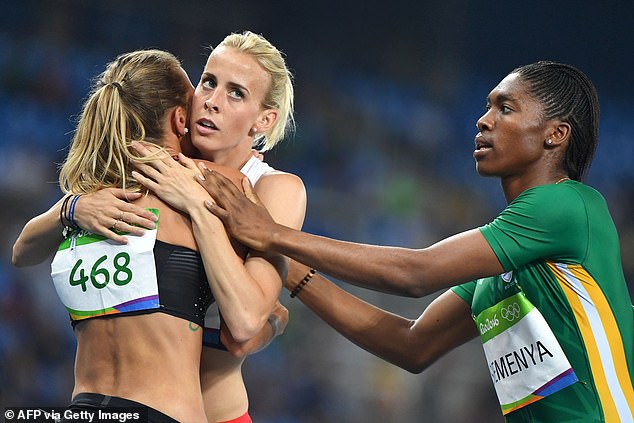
(563, 179)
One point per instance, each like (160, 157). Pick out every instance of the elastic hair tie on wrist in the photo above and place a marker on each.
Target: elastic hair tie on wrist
(62, 215)
(71, 213)
(274, 321)
(303, 283)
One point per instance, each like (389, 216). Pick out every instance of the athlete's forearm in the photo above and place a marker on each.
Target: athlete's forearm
(377, 331)
(386, 269)
(411, 345)
(39, 238)
(244, 304)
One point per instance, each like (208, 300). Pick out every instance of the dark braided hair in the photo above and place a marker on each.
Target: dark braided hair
(567, 94)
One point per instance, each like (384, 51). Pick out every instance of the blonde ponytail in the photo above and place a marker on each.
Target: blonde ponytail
(129, 102)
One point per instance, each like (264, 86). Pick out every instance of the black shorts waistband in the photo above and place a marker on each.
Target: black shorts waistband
(91, 401)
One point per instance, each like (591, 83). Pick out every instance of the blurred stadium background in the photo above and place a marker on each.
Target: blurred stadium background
(387, 96)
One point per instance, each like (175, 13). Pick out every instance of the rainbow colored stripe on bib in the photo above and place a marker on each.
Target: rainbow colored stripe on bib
(145, 303)
(565, 379)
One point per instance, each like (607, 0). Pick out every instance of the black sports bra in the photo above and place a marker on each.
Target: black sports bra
(182, 284)
(183, 287)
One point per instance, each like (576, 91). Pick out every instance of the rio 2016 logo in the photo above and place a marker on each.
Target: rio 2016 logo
(489, 324)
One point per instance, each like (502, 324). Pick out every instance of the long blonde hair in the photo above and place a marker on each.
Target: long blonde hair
(128, 101)
(280, 95)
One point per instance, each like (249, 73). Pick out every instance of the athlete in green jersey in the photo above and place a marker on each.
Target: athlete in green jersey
(561, 250)
(549, 299)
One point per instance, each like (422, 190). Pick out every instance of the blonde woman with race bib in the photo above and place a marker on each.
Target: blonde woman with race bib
(137, 306)
(252, 106)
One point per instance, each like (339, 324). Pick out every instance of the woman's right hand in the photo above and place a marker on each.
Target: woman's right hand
(108, 211)
(173, 181)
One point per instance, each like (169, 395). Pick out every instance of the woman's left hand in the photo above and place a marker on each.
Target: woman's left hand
(173, 181)
(109, 211)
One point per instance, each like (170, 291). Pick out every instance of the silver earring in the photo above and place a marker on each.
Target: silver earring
(185, 131)
(549, 141)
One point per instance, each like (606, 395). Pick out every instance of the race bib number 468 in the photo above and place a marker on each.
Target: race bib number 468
(94, 276)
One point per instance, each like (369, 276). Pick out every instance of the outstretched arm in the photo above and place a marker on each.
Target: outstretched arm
(95, 212)
(410, 344)
(39, 238)
(411, 272)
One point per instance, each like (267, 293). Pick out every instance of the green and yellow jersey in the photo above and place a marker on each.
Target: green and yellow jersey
(560, 251)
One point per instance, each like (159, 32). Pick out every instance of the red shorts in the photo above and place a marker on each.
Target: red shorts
(245, 418)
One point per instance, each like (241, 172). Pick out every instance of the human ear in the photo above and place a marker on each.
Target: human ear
(559, 134)
(266, 120)
(179, 121)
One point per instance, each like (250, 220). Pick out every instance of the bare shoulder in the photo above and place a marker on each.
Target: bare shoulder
(280, 182)
(284, 195)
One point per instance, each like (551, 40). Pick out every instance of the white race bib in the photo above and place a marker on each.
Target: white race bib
(94, 276)
(525, 359)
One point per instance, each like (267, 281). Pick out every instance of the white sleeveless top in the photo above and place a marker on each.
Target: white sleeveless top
(254, 168)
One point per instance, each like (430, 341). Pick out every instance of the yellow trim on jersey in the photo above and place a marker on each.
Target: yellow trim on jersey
(602, 340)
